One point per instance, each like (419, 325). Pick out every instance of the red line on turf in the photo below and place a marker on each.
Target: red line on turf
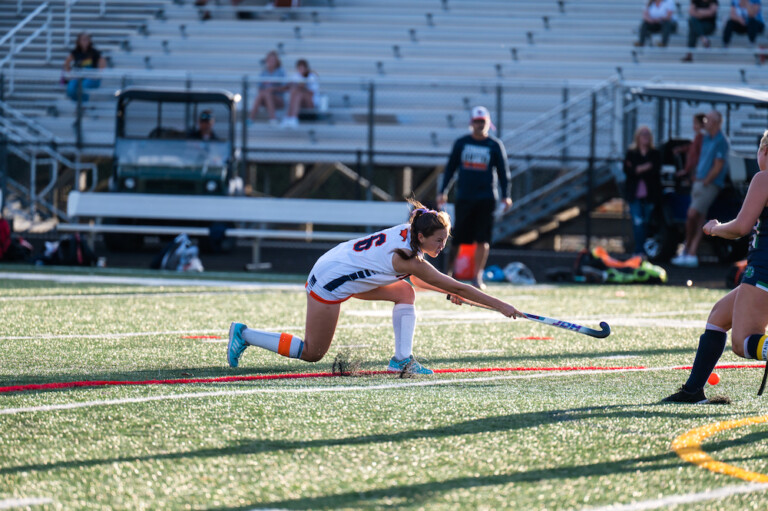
(534, 338)
(295, 376)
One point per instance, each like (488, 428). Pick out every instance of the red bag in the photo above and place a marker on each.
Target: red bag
(5, 237)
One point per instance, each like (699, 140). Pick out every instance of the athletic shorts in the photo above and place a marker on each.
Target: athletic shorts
(331, 281)
(474, 221)
(702, 196)
(755, 276)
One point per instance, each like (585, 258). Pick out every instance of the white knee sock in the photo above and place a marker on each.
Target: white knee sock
(404, 324)
(716, 328)
(283, 344)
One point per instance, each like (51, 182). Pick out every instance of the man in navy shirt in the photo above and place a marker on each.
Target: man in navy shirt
(709, 180)
(483, 176)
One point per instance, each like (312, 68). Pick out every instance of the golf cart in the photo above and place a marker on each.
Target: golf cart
(174, 141)
(159, 149)
(667, 225)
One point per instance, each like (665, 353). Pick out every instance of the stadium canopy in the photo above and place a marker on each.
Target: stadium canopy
(703, 94)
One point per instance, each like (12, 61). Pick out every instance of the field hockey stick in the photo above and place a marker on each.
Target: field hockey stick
(762, 384)
(605, 328)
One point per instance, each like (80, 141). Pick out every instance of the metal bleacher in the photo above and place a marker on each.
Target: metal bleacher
(460, 48)
(430, 61)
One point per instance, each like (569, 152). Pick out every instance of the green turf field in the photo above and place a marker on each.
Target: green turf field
(534, 440)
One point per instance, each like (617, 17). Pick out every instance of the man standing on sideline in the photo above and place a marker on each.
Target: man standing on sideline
(483, 174)
(708, 181)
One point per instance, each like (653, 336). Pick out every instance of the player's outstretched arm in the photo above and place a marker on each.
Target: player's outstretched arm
(426, 276)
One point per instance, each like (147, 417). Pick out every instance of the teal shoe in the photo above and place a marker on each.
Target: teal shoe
(236, 344)
(408, 365)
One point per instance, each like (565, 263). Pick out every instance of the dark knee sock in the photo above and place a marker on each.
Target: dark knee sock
(756, 347)
(711, 346)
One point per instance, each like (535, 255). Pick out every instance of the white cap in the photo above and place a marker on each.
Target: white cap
(480, 112)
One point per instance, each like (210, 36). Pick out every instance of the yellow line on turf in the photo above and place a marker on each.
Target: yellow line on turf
(688, 447)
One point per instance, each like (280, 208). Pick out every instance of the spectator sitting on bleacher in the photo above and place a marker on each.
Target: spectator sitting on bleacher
(659, 16)
(204, 129)
(206, 14)
(271, 90)
(746, 18)
(84, 56)
(702, 21)
(304, 90)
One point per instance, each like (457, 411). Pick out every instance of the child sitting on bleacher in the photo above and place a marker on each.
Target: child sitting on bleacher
(305, 89)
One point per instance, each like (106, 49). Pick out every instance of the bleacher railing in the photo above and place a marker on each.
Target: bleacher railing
(560, 157)
(373, 104)
(37, 147)
(14, 48)
(370, 122)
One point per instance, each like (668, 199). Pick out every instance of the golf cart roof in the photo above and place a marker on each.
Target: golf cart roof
(703, 94)
(176, 95)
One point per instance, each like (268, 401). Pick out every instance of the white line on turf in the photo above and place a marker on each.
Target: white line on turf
(112, 296)
(113, 336)
(146, 281)
(689, 498)
(423, 323)
(12, 503)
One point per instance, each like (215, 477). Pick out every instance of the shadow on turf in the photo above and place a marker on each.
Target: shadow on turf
(473, 427)
(425, 492)
(160, 374)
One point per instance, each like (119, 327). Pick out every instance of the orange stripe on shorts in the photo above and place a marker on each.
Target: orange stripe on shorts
(284, 345)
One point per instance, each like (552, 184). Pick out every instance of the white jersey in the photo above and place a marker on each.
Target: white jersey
(358, 265)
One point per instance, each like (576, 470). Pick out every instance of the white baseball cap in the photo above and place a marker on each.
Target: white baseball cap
(480, 112)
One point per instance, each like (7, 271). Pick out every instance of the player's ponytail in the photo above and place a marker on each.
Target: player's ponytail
(424, 221)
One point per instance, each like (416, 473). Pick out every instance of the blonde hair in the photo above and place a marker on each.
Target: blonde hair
(764, 141)
(639, 130)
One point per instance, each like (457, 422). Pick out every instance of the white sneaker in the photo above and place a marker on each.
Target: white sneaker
(290, 123)
(679, 260)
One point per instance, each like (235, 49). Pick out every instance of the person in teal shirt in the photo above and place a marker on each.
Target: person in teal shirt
(746, 18)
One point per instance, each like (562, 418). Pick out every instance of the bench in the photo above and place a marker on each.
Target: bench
(302, 214)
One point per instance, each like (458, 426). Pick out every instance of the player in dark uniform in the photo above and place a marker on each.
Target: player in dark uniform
(744, 310)
(483, 172)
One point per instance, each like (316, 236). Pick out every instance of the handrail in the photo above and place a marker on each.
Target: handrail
(36, 140)
(15, 49)
(558, 110)
(23, 22)
(224, 78)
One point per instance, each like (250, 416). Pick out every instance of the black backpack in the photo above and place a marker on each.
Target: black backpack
(72, 251)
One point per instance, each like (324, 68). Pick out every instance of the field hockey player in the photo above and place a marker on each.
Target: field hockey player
(744, 310)
(370, 268)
